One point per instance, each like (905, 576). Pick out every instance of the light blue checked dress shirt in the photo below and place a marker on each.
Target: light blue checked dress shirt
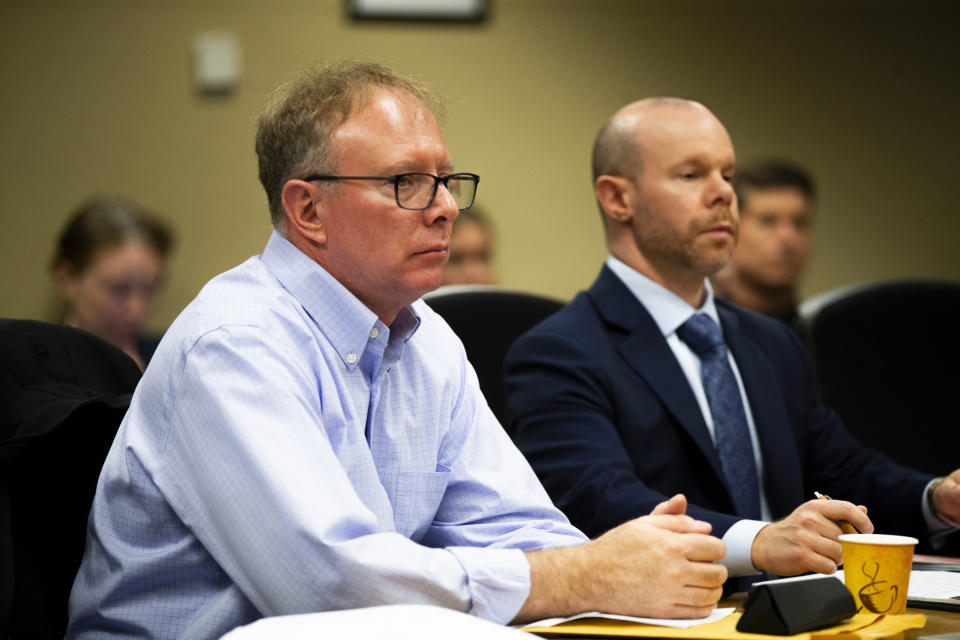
(287, 452)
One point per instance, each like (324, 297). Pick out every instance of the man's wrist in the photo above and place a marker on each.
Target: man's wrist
(559, 582)
(931, 490)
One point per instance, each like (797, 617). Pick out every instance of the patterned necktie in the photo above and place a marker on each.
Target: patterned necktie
(732, 435)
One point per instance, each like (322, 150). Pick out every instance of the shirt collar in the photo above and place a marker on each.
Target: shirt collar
(346, 322)
(668, 309)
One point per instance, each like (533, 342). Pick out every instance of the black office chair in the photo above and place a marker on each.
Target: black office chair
(888, 359)
(63, 393)
(488, 319)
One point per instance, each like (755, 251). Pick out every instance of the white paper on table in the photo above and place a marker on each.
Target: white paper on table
(389, 622)
(943, 585)
(718, 614)
(923, 584)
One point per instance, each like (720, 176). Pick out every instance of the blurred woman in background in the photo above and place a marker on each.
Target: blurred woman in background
(108, 266)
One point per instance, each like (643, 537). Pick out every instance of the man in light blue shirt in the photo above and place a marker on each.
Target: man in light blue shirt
(310, 436)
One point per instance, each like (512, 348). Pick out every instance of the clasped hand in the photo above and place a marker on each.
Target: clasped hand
(662, 565)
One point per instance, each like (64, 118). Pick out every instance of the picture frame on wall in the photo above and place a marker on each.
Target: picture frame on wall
(420, 10)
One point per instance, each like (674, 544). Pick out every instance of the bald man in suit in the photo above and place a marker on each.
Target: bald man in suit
(645, 385)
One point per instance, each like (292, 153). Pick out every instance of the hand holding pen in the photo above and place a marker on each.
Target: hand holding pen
(845, 526)
(806, 540)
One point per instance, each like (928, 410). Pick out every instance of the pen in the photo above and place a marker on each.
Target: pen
(845, 526)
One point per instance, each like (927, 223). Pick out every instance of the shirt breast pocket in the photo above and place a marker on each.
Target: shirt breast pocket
(416, 496)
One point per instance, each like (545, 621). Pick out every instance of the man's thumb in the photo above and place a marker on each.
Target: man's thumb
(677, 505)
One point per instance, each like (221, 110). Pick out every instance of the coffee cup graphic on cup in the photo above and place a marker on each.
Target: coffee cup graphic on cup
(877, 596)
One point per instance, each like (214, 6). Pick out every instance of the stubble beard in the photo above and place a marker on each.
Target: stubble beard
(688, 249)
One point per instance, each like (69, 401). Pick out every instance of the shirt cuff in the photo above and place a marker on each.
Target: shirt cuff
(939, 529)
(498, 581)
(739, 540)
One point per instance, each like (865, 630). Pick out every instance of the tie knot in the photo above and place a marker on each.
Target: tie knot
(703, 335)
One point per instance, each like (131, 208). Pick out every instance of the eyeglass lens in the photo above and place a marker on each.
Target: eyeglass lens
(417, 190)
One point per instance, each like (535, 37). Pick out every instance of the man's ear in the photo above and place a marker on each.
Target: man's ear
(615, 197)
(305, 211)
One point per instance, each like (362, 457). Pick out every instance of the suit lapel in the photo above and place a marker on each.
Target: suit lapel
(646, 351)
(783, 475)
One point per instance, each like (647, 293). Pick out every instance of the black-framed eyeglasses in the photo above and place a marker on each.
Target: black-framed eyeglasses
(416, 190)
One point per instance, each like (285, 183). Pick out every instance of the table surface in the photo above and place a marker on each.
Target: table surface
(937, 622)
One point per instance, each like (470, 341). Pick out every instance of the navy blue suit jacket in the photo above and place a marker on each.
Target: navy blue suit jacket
(598, 403)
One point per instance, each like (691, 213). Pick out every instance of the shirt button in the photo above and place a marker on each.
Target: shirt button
(351, 358)
(374, 332)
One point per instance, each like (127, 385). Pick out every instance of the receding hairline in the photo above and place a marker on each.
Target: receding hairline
(367, 94)
(616, 151)
(366, 97)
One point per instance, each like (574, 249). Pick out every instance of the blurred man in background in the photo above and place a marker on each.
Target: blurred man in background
(776, 218)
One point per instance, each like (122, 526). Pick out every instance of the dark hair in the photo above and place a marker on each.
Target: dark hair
(774, 174)
(475, 215)
(104, 222)
(294, 129)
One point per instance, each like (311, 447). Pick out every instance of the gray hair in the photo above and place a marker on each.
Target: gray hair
(295, 127)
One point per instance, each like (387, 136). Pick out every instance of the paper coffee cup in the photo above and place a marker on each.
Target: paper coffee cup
(876, 570)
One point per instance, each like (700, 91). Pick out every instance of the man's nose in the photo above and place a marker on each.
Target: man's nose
(720, 191)
(789, 235)
(444, 206)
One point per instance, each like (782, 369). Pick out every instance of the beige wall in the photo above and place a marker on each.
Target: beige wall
(96, 97)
